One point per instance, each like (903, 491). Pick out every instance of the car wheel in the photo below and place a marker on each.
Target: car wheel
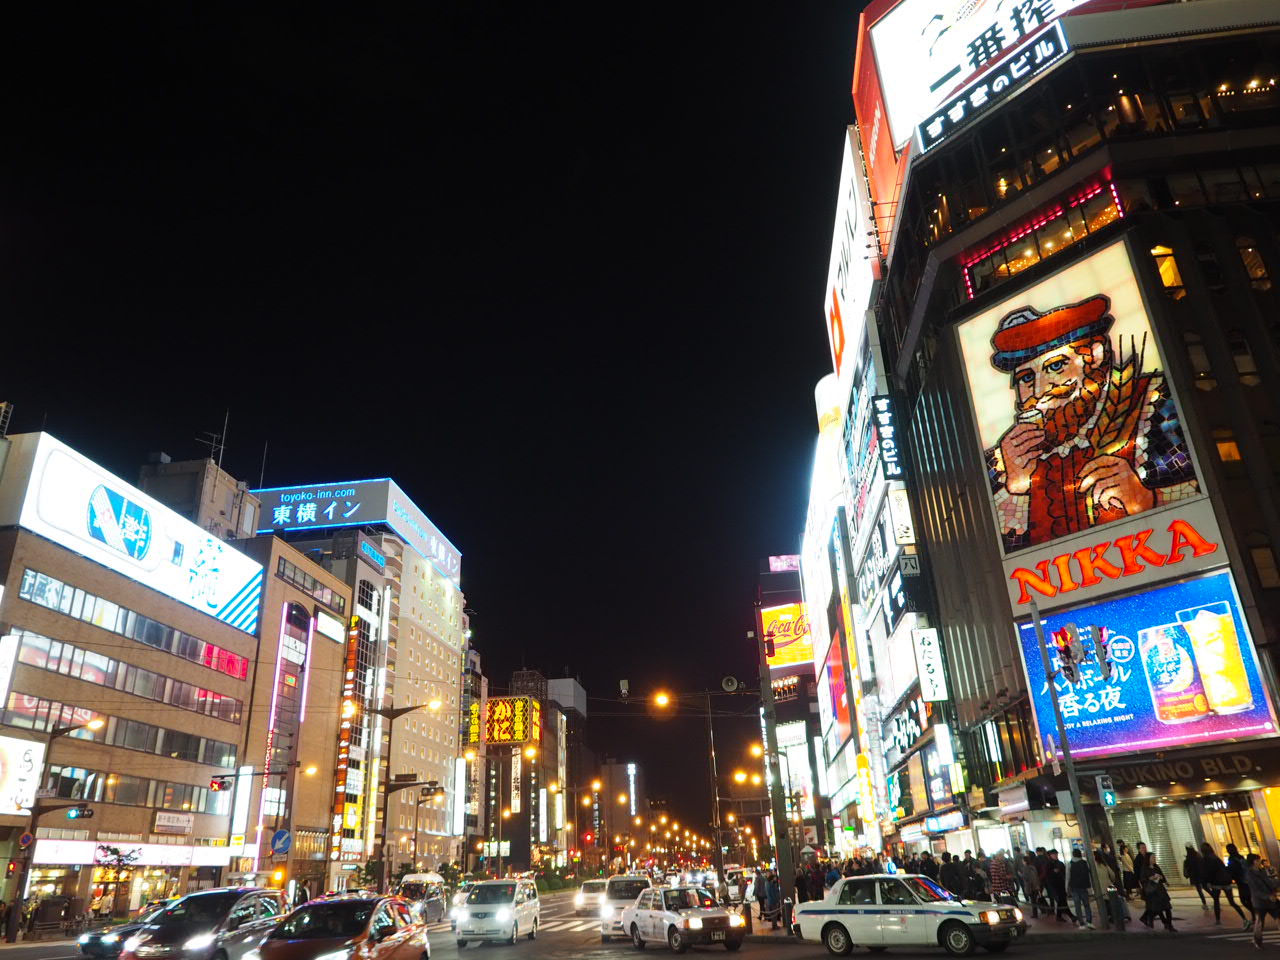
(515, 931)
(996, 947)
(637, 941)
(533, 934)
(836, 939)
(605, 938)
(676, 941)
(462, 944)
(732, 945)
(956, 939)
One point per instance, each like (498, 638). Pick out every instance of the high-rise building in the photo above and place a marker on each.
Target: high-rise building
(1074, 234)
(128, 645)
(409, 643)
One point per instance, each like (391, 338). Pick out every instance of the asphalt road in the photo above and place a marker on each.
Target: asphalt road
(565, 937)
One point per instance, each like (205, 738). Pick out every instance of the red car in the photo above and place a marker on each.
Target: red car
(349, 927)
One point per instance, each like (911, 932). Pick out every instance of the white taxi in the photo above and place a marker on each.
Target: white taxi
(905, 910)
(682, 917)
(619, 892)
(498, 910)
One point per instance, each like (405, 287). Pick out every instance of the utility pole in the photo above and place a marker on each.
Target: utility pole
(1073, 784)
(715, 793)
(773, 770)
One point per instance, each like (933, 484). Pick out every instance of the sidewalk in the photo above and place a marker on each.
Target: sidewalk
(1189, 917)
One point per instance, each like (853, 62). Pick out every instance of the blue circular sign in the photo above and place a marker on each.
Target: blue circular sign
(281, 841)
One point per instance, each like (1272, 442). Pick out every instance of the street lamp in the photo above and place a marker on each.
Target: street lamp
(392, 714)
(37, 810)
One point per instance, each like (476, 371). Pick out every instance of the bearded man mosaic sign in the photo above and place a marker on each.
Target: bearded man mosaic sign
(1078, 424)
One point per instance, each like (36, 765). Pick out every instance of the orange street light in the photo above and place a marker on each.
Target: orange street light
(596, 785)
(739, 776)
(622, 798)
(757, 750)
(530, 752)
(586, 801)
(662, 699)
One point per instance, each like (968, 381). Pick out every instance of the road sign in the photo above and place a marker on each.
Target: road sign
(26, 840)
(1106, 790)
(281, 841)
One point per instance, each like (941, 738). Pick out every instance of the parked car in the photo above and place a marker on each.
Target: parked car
(905, 911)
(619, 892)
(368, 927)
(499, 910)
(225, 923)
(682, 917)
(586, 902)
(109, 941)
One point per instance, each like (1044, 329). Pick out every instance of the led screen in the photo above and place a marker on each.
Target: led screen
(1078, 425)
(837, 681)
(1184, 671)
(788, 627)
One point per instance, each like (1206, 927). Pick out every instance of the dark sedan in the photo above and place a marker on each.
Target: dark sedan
(109, 941)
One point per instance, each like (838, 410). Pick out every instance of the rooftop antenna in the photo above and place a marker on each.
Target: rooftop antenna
(262, 474)
(216, 442)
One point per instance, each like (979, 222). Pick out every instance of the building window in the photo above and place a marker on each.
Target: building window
(1264, 562)
(367, 597)
(1170, 275)
(1228, 449)
(1254, 265)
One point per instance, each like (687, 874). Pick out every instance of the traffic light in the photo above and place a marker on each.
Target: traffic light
(1102, 650)
(1070, 651)
(588, 837)
(79, 812)
(218, 784)
(13, 868)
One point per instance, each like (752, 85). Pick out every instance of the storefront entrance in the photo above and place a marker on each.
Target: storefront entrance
(1166, 829)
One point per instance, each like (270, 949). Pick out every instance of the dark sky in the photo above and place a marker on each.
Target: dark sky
(557, 271)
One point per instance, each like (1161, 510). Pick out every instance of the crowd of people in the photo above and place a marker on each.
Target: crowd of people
(1046, 884)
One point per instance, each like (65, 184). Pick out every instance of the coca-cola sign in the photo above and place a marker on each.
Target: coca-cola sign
(787, 626)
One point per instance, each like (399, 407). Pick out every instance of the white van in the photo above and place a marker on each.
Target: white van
(499, 910)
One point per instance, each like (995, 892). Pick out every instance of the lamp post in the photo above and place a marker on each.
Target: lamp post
(38, 809)
(392, 714)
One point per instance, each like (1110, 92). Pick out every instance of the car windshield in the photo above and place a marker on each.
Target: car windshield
(927, 890)
(204, 910)
(593, 886)
(687, 899)
(413, 891)
(332, 920)
(626, 889)
(492, 893)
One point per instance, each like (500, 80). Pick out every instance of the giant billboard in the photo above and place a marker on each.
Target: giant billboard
(1183, 671)
(1077, 422)
(788, 628)
(69, 499)
(854, 263)
(356, 503)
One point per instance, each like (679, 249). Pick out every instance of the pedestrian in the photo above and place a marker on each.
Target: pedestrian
(759, 893)
(929, 866)
(1125, 859)
(773, 899)
(1194, 872)
(1262, 894)
(1236, 868)
(1081, 887)
(1003, 887)
(817, 887)
(1030, 883)
(802, 886)
(1142, 861)
(1155, 892)
(1216, 879)
(833, 874)
(951, 875)
(1056, 885)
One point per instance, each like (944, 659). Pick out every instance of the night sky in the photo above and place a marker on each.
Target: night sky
(558, 272)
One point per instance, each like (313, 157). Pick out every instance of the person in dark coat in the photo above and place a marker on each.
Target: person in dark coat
(1262, 894)
(1081, 886)
(1194, 873)
(1155, 895)
(1056, 885)
(1216, 879)
(1236, 868)
(759, 890)
(951, 875)
(817, 889)
(1142, 861)
(929, 866)
(773, 899)
(802, 886)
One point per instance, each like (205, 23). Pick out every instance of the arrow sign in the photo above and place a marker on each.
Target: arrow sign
(281, 841)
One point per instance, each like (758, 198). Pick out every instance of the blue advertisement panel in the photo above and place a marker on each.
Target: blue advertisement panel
(1184, 671)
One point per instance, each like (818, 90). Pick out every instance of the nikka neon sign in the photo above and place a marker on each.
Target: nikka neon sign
(1154, 546)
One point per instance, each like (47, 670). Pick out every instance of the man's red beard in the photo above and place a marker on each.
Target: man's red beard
(1064, 421)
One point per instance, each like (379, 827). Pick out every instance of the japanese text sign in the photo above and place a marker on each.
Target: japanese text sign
(1183, 670)
(510, 720)
(933, 681)
(925, 49)
(21, 763)
(887, 435)
(992, 87)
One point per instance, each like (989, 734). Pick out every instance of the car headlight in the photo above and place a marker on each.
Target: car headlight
(989, 916)
(132, 944)
(199, 942)
(606, 913)
(109, 938)
(1017, 914)
(735, 920)
(84, 938)
(504, 913)
(578, 899)
(693, 923)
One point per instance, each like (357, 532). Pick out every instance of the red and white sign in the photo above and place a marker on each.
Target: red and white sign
(1153, 546)
(854, 263)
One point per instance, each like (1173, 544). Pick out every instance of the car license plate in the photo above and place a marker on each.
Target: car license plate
(717, 934)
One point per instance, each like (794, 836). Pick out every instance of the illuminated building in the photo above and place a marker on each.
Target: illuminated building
(1077, 321)
(410, 647)
(117, 609)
